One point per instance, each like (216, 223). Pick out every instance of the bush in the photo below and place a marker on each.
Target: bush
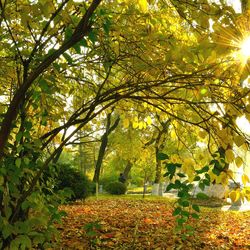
(116, 188)
(106, 180)
(69, 177)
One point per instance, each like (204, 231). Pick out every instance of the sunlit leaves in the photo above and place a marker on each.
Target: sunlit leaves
(234, 195)
(239, 140)
(143, 5)
(245, 179)
(229, 155)
(126, 123)
(239, 161)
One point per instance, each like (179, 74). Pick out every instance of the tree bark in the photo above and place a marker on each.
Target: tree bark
(127, 169)
(158, 167)
(159, 146)
(104, 144)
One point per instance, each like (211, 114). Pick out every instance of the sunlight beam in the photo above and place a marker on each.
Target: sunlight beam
(245, 47)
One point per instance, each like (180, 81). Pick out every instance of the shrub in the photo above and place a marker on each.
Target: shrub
(116, 188)
(106, 180)
(69, 177)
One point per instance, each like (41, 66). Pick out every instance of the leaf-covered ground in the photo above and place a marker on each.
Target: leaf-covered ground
(118, 223)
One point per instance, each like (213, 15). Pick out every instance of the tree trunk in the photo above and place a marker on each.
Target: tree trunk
(158, 168)
(159, 147)
(104, 143)
(127, 169)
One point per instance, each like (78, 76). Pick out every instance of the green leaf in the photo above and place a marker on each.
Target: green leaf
(189, 227)
(184, 194)
(28, 125)
(197, 178)
(206, 182)
(181, 175)
(6, 231)
(195, 216)
(83, 43)
(171, 168)
(202, 186)
(18, 162)
(44, 85)
(162, 156)
(21, 242)
(203, 170)
(106, 26)
(177, 184)
(177, 211)
(181, 220)
(216, 171)
(92, 36)
(19, 136)
(68, 58)
(201, 196)
(196, 208)
(185, 213)
(170, 186)
(184, 203)
(1, 180)
(68, 33)
(26, 161)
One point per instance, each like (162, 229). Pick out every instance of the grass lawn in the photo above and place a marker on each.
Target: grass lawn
(130, 222)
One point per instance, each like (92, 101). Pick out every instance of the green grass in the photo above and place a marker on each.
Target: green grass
(139, 189)
(132, 197)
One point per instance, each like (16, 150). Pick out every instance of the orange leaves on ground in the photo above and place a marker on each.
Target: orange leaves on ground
(145, 224)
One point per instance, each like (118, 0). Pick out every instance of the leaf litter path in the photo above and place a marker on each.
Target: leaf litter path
(118, 223)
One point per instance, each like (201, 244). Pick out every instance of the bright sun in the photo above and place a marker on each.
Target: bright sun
(245, 48)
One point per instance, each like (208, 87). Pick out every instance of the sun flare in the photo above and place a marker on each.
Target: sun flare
(245, 48)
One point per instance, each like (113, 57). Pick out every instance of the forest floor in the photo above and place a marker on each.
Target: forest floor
(134, 223)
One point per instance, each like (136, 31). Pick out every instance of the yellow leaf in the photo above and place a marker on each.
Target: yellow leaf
(135, 124)
(238, 161)
(229, 155)
(234, 195)
(224, 179)
(202, 134)
(239, 140)
(173, 134)
(244, 147)
(126, 123)
(245, 179)
(140, 125)
(143, 4)
(248, 108)
(136, 119)
(149, 120)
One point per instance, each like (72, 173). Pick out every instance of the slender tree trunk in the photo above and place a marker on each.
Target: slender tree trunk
(127, 169)
(104, 144)
(158, 168)
(159, 147)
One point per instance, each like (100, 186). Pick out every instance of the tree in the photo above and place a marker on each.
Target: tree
(159, 57)
(104, 142)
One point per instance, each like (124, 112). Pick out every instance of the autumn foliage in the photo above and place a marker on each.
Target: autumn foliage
(132, 223)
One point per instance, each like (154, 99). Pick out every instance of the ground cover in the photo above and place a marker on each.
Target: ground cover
(130, 222)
